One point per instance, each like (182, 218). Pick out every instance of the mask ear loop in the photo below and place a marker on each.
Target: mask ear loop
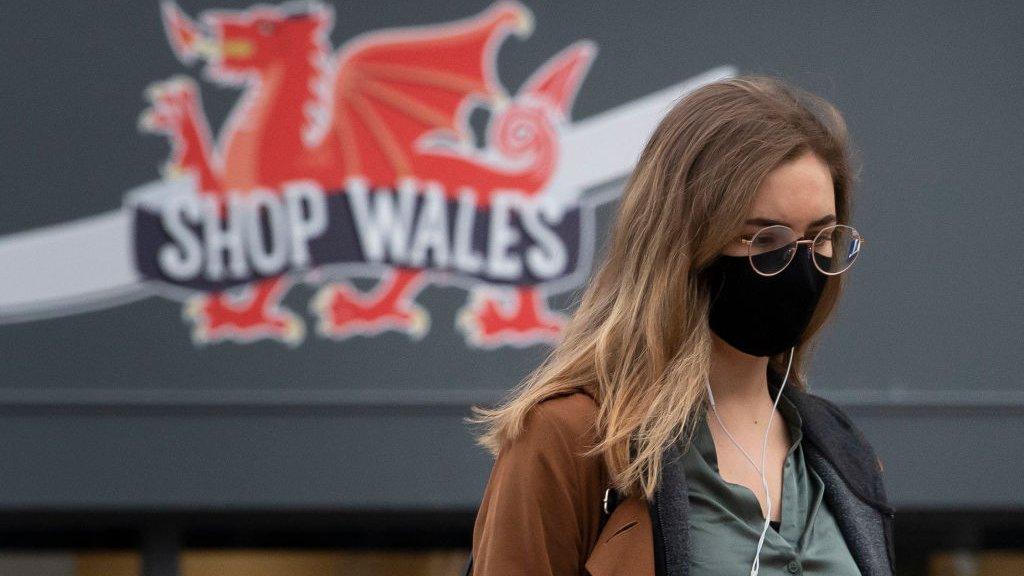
(756, 566)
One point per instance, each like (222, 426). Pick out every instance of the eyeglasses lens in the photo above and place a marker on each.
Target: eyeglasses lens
(836, 248)
(772, 248)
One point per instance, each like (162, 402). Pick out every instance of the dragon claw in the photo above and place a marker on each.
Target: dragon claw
(344, 312)
(215, 319)
(170, 101)
(487, 323)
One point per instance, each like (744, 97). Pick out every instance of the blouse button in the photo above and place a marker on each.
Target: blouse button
(793, 567)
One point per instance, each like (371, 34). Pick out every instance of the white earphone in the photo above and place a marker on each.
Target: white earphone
(760, 469)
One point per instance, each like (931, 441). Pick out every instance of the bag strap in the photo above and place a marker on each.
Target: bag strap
(608, 504)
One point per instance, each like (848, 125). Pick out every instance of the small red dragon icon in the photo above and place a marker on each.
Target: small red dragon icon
(387, 105)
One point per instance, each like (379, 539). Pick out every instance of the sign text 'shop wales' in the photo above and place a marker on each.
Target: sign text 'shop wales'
(354, 163)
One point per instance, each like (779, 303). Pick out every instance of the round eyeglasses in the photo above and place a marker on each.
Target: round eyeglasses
(835, 248)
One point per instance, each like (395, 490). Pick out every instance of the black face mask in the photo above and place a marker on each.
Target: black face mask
(763, 315)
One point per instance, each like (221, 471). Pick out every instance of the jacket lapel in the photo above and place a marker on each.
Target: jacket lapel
(669, 511)
(838, 451)
(839, 441)
(863, 526)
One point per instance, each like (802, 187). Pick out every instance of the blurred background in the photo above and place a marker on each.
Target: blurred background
(206, 371)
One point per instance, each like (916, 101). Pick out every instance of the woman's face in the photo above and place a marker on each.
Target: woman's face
(798, 194)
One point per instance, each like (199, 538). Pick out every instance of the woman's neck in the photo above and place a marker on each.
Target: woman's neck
(738, 378)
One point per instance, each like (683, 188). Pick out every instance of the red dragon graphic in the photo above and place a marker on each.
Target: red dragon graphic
(387, 105)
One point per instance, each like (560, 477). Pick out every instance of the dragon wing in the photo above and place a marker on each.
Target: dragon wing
(395, 86)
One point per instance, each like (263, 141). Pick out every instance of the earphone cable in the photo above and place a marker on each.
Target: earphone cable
(755, 567)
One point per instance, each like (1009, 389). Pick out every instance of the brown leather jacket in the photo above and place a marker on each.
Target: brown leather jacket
(541, 510)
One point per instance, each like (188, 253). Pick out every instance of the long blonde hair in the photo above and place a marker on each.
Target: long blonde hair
(639, 340)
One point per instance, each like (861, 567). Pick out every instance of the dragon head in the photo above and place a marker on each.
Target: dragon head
(543, 102)
(238, 43)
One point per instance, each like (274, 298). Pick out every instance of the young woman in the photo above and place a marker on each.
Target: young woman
(679, 385)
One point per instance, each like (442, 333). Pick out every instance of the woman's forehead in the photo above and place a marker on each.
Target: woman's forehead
(796, 193)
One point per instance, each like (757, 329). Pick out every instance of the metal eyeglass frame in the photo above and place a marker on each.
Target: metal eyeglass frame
(797, 243)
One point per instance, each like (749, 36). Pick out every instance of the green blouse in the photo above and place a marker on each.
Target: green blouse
(726, 519)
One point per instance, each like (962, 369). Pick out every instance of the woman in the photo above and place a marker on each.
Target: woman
(725, 260)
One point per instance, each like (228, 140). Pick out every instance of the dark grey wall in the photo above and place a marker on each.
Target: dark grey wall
(116, 408)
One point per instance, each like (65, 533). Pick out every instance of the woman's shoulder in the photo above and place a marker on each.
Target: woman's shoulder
(558, 430)
(572, 413)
